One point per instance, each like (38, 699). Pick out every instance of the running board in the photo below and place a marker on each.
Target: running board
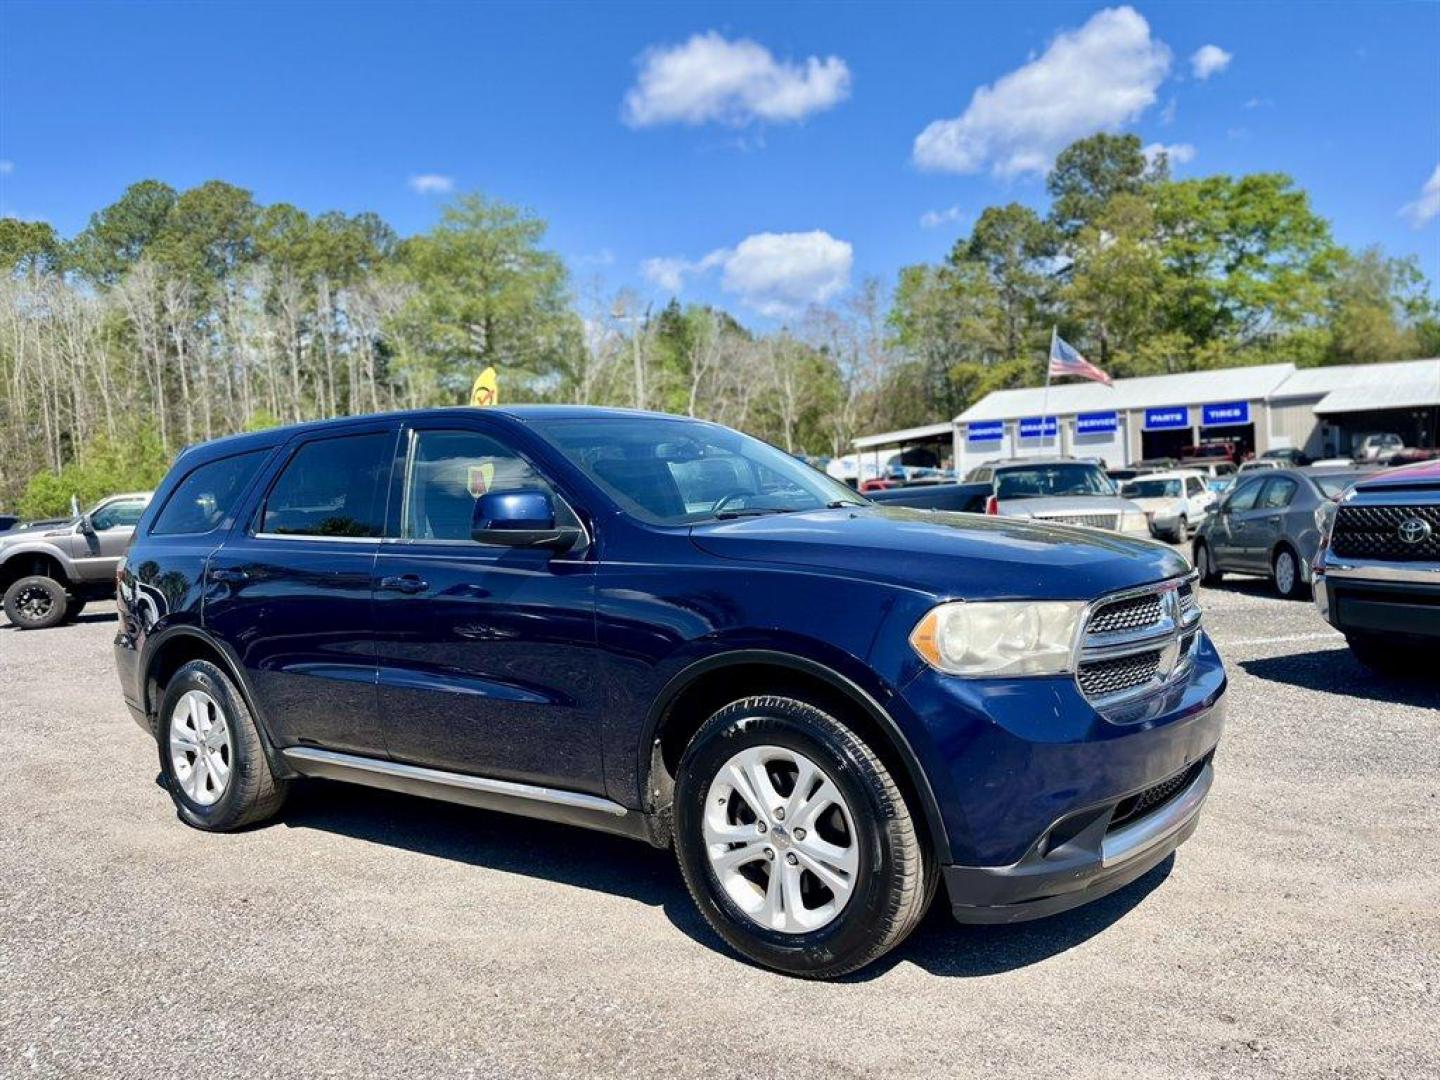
(506, 796)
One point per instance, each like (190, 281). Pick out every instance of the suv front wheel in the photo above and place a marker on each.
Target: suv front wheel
(795, 841)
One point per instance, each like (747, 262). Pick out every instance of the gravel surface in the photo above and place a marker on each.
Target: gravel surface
(366, 934)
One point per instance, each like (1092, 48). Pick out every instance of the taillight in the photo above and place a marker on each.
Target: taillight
(992, 505)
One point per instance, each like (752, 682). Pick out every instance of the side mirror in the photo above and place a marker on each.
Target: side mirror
(523, 518)
(86, 525)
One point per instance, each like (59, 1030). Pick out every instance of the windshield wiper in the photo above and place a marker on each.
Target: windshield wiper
(755, 511)
(840, 504)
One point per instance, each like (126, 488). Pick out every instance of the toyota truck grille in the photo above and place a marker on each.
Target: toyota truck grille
(1364, 531)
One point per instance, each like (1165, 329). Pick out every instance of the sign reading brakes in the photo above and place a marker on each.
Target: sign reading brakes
(1169, 417)
(985, 431)
(1226, 412)
(1096, 423)
(1033, 427)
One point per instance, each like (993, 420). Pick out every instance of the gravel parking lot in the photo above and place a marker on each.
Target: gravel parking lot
(367, 934)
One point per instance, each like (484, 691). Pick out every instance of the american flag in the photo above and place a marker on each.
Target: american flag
(1065, 359)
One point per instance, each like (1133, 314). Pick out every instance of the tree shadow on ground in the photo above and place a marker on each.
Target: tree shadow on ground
(589, 860)
(1336, 671)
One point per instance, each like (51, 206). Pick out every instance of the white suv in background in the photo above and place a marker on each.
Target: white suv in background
(1174, 502)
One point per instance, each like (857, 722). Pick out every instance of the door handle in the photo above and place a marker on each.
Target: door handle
(228, 576)
(409, 584)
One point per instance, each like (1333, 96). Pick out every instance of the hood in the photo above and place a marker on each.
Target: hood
(1423, 472)
(44, 529)
(1065, 504)
(949, 556)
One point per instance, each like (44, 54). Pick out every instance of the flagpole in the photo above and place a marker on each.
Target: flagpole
(1045, 399)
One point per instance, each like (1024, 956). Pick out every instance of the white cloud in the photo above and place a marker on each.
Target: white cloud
(776, 274)
(1167, 114)
(431, 184)
(1424, 209)
(1177, 153)
(1209, 60)
(6, 168)
(1096, 78)
(933, 219)
(730, 82)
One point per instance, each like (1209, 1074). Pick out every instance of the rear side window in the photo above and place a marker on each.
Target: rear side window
(205, 498)
(1278, 493)
(332, 487)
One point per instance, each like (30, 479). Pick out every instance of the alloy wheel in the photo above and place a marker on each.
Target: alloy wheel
(201, 752)
(1285, 573)
(781, 839)
(34, 603)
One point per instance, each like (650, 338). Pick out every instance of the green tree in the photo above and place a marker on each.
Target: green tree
(1378, 308)
(30, 248)
(120, 234)
(1088, 173)
(1017, 250)
(1118, 284)
(210, 234)
(488, 293)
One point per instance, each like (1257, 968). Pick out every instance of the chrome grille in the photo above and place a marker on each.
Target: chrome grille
(1095, 521)
(1138, 642)
(1133, 613)
(1364, 531)
(1103, 678)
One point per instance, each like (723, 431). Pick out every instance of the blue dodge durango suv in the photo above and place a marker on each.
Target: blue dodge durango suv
(662, 628)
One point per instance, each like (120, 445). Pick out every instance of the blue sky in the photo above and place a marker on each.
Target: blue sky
(758, 155)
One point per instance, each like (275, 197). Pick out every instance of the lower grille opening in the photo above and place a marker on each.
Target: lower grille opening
(1153, 798)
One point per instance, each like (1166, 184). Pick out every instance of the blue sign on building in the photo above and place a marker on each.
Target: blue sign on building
(1035, 427)
(1172, 416)
(1226, 412)
(1096, 423)
(985, 431)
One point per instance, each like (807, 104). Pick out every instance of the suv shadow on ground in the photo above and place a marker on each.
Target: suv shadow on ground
(621, 867)
(1336, 671)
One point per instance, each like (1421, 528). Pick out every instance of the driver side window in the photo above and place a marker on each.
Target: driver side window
(1244, 497)
(448, 471)
(115, 515)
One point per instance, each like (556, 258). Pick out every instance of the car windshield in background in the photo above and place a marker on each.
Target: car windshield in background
(676, 472)
(1040, 481)
(1151, 489)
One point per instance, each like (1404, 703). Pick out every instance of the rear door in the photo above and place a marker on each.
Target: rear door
(486, 654)
(1268, 524)
(290, 591)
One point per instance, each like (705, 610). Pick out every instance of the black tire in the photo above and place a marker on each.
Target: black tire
(35, 603)
(1297, 586)
(1205, 564)
(1182, 530)
(252, 793)
(74, 607)
(893, 883)
(1387, 656)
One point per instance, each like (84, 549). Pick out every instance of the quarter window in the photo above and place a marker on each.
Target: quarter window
(332, 487)
(203, 500)
(1278, 493)
(447, 473)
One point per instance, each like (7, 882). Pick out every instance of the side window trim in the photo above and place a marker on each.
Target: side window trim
(255, 515)
(400, 490)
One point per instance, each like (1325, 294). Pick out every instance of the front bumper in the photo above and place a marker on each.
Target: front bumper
(1400, 600)
(1079, 859)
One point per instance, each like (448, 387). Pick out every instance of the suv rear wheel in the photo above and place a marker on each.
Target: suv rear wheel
(210, 753)
(794, 840)
(35, 603)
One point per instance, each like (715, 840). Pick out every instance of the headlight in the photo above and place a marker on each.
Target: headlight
(1000, 638)
(1325, 517)
(1133, 521)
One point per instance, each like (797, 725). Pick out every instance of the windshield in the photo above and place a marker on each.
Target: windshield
(676, 472)
(1038, 481)
(1151, 489)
